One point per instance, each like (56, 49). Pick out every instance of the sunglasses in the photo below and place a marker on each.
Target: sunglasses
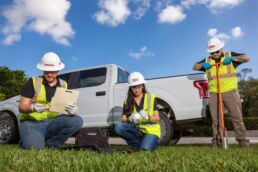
(50, 72)
(137, 87)
(216, 52)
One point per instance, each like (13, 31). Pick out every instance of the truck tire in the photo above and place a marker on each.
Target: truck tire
(166, 129)
(168, 134)
(8, 129)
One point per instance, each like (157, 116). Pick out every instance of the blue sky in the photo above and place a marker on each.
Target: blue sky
(154, 37)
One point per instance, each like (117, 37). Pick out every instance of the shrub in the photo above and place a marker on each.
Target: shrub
(251, 123)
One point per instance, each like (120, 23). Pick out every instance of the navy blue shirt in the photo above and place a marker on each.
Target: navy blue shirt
(29, 92)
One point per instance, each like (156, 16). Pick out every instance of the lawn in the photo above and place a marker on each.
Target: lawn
(169, 158)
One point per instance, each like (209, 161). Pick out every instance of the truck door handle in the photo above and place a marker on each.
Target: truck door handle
(101, 93)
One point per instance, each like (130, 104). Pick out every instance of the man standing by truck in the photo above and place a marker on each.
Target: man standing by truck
(38, 126)
(228, 80)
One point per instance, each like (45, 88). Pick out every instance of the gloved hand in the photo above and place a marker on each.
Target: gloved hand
(206, 65)
(38, 107)
(134, 118)
(71, 109)
(228, 60)
(144, 115)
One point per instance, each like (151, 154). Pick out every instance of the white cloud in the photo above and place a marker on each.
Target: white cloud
(219, 4)
(172, 14)
(143, 52)
(113, 12)
(11, 38)
(223, 36)
(213, 32)
(142, 7)
(161, 4)
(190, 3)
(237, 32)
(214, 5)
(44, 17)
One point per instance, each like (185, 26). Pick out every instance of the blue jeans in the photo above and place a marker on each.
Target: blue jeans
(51, 132)
(135, 138)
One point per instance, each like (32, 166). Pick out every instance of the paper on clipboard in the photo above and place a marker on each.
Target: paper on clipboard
(61, 98)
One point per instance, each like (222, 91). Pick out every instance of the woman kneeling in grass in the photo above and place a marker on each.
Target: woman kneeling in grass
(140, 120)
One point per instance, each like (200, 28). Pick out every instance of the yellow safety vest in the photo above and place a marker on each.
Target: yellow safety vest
(228, 80)
(145, 126)
(40, 97)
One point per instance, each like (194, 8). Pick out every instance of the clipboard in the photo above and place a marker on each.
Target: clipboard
(61, 98)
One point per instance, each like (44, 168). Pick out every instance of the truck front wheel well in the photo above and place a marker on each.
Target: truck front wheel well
(166, 108)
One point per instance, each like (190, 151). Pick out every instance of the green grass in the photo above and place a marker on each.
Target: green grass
(169, 158)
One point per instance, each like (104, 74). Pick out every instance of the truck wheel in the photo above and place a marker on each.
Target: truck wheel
(166, 129)
(8, 129)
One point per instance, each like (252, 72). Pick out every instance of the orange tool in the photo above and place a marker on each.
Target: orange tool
(222, 139)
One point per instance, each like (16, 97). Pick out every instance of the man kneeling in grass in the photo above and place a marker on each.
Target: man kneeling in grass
(39, 127)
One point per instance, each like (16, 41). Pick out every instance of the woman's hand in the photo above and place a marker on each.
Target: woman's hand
(155, 117)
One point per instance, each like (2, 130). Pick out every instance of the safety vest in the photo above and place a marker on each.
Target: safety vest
(145, 126)
(40, 97)
(228, 80)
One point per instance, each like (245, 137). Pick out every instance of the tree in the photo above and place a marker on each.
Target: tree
(250, 97)
(244, 73)
(249, 93)
(2, 96)
(11, 82)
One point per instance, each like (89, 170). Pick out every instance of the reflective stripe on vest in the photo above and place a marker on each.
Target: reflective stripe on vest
(145, 126)
(227, 75)
(223, 76)
(40, 97)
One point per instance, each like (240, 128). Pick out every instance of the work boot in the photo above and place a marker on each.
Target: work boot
(244, 143)
(214, 144)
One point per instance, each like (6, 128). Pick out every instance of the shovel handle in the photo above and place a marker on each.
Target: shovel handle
(217, 64)
(222, 130)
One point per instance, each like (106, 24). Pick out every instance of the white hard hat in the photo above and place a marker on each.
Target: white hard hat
(136, 78)
(214, 45)
(50, 62)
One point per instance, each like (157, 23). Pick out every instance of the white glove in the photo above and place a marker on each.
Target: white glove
(144, 115)
(38, 107)
(134, 118)
(71, 109)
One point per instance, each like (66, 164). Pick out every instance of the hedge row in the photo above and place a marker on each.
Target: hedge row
(251, 123)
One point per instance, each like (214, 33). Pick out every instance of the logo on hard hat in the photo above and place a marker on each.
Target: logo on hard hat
(135, 80)
(211, 46)
(49, 65)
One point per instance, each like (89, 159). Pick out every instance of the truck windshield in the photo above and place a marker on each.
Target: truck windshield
(122, 76)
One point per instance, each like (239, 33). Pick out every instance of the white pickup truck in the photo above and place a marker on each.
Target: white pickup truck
(103, 89)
